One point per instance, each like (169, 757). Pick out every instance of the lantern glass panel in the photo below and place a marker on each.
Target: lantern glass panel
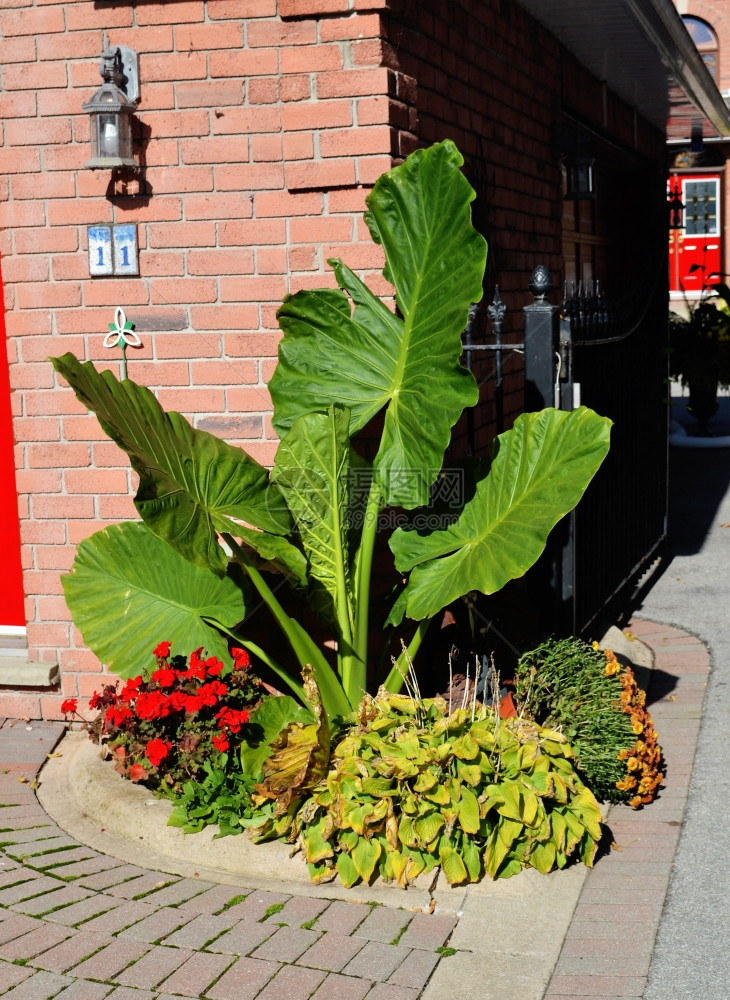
(108, 135)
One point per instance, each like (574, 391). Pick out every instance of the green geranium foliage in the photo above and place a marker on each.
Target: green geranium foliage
(412, 786)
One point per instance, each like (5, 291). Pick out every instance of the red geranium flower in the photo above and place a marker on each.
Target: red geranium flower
(156, 750)
(162, 651)
(220, 743)
(165, 677)
(209, 693)
(116, 716)
(197, 665)
(214, 667)
(232, 719)
(241, 659)
(69, 706)
(137, 773)
(152, 705)
(191, 704)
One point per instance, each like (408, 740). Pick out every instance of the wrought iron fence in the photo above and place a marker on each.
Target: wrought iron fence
(577, 353)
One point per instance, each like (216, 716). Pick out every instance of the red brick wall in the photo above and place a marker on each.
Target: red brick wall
(262, 127)
(488, 76)
(261, 136)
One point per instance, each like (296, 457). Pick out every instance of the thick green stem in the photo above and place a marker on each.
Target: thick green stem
(253, 647)
(333, 697)
(357, 680)
(394, 680)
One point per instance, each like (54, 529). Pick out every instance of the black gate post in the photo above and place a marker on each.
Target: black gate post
(547, 363)
(541, 334)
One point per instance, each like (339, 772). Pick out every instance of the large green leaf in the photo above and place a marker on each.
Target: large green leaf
(420, 213)
(312, 471)
(191, 484)
(129, 591)
(536, 473)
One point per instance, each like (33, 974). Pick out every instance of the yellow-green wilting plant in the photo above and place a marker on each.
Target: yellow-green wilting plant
(412, 786)
(592, 698)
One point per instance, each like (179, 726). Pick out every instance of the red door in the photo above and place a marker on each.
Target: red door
(694, 250)
(12, 614)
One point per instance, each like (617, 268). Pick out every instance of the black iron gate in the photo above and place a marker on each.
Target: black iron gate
(580, 352)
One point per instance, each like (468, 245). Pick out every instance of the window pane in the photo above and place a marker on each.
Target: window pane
(700, 211)
(700, 33)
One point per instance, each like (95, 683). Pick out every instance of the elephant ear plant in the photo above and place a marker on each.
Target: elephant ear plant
(219, 532)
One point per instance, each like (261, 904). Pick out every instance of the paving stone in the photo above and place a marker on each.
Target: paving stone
(608, 930)
(256, 904)
(66, 894)
(242, 938)
(213, 900)
(14, 874)
(156, 926)
(95, 864)
(591, 964)
(40, 847)
(125, 993)
(41, 986)
(384, 991)
(644, 913)
(71, 951)
(286, 945)
(34, 942)
(300, 910)
(416, 969)
(11, 975)
(598, 986)
(332, 952)
(86, 909)
(141, 886)
(292, 983)
(384, 924)
(31, 886)
(110, 960)
(376, 961)
(427, 931)
(112, 875)
(195, 976)
(153, 967)
(128, 912)
(337, 987)
(22, 818)
(199, 931)
(13, 925)
(244, 980)
(55, 862)
(178, 892)
(342, 917)
(82, 989)
(29, 834)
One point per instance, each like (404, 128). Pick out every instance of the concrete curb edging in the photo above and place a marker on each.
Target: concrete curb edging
(88, 799)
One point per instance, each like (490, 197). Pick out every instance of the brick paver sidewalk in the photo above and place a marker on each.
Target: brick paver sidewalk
(79, 925)
(607, 951)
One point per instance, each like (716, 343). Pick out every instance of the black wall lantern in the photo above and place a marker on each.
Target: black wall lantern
(111, 109)
(579, 175)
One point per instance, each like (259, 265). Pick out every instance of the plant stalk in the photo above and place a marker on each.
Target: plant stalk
(394, 680)
(356, 682)
(334, 698)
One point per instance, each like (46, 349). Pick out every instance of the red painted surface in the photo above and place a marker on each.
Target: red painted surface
(11, 587)
(695, 249)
